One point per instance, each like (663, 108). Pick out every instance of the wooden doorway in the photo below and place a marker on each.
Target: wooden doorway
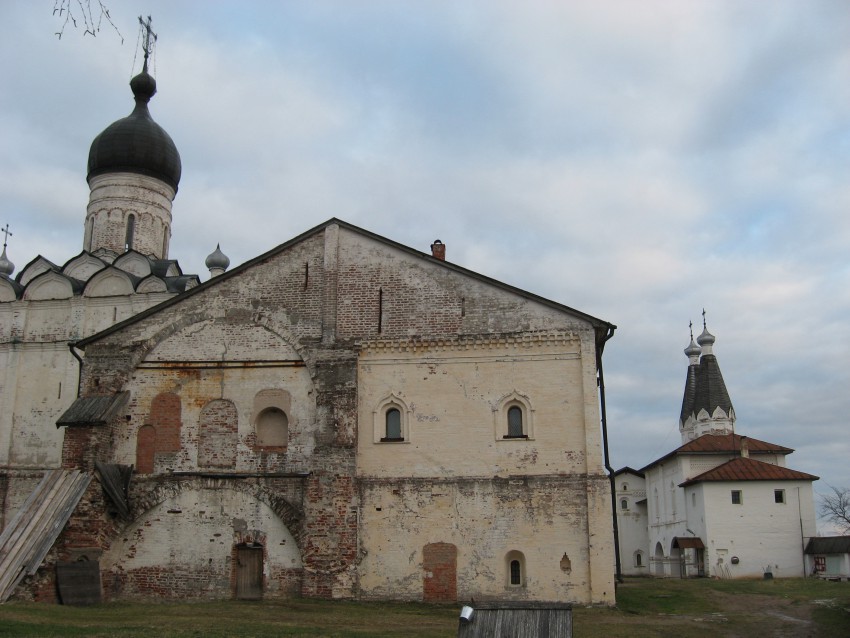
(249, 572)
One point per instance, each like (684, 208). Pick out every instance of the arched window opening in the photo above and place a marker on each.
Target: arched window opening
(625, 487)
(131, 230)
(89, 233)
(272, 428)
(393, 425)
(513, 418)
(624, 504)
(515, 421)
(638, 559)
(391, 421)
(516, 573)
(515, 567)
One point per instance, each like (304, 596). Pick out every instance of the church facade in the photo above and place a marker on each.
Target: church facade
(340, 417)
(721, 504)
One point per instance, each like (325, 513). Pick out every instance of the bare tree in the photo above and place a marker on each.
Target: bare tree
(835, 507)
(74, 11)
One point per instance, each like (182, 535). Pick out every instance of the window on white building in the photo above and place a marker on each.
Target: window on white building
(515, 429)
(778, 496)
(515, 563)
(393, 425)
(737, 497)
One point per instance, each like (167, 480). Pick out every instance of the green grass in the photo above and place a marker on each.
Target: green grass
(231, 618)
(646, 608)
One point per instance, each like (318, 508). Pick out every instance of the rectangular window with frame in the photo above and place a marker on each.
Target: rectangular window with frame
(737, 497)
(778, 496)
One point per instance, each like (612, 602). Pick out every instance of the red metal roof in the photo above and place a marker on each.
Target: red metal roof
(714, 443)
(746, 469)
(723, 444)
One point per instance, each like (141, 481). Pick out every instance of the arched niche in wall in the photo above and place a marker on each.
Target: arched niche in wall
(272, 410)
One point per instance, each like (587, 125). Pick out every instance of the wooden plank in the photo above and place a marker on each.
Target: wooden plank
(37, 524)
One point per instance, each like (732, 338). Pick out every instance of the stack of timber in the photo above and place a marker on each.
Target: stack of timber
(30, 535)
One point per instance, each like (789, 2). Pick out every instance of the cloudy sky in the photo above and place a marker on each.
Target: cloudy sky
(639, 161)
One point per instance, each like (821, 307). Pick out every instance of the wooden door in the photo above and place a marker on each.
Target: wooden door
(249, 572)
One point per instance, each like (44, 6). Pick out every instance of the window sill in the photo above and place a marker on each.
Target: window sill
(393, 440)
(515, 436)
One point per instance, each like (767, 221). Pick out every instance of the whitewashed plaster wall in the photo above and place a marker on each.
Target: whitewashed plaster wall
(762, 534)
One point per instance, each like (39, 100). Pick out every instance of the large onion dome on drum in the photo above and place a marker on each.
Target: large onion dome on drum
(136, 144)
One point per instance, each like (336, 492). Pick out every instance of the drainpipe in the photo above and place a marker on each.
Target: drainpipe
(600, 379)
(802, 538)
(71, 346)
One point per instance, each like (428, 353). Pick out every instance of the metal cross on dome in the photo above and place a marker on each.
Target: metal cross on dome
(6, 234)
(148, 45)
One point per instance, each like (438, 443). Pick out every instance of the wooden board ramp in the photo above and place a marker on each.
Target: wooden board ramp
(31, 533)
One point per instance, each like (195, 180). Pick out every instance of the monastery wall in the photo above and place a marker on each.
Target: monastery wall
(543, 522)
(455, 395)
(39, 378)
(297, 334)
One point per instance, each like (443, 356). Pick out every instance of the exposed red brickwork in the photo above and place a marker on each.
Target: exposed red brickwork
(439, 562)
(218, 432)
(145, 449)
(375, 300)
(330, 547)
(165, 417)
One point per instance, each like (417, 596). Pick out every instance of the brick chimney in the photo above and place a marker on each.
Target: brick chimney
(745, 448)
(438, 250)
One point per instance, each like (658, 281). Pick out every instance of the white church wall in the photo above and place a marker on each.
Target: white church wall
(632, 522)
(760, 533)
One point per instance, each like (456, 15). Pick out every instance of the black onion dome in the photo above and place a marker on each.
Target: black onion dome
(136, 144)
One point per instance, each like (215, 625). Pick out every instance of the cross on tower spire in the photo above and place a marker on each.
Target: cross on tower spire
(147, 45)
(6, 234)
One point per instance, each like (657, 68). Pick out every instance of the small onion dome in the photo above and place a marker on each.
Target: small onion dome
(136, 144)
(693, 350)
(706, 338)
(217, 259)
(6, 266)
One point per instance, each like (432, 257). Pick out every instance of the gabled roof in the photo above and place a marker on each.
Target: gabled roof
(629, 470)
(828, 545)
(746, 469)
(604, 330)
(722, 444)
